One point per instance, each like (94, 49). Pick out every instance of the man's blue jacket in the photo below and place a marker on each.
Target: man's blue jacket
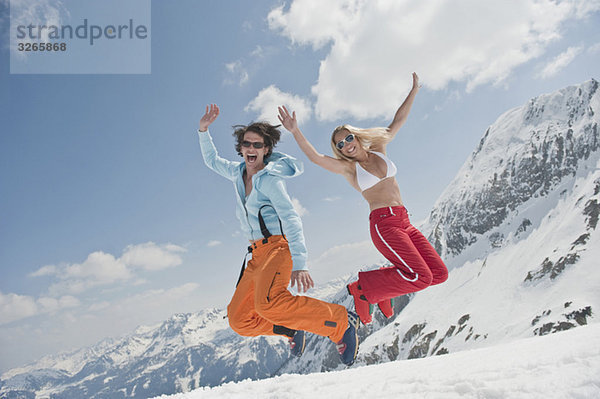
(268, 188)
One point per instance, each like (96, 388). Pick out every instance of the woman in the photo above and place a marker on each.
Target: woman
(360, 156)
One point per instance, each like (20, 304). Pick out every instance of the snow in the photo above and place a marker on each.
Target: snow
(561, 365)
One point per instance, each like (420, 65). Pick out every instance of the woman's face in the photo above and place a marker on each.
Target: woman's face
(253, 156)
(351, 145)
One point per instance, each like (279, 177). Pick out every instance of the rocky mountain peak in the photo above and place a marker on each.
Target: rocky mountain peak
(525, 154)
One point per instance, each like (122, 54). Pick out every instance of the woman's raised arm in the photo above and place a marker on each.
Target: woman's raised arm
(402, 113)
(331, 164)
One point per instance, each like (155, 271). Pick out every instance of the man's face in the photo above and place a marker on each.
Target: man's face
(253, 156)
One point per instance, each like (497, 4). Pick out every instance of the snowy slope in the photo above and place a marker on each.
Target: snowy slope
(543, 283)
(564, 365)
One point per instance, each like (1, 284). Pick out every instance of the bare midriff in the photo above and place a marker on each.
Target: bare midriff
(383, 194)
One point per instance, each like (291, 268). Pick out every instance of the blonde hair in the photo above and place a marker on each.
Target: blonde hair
(367, 138)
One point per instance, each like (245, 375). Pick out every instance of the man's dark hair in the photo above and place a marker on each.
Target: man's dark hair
(268, 132)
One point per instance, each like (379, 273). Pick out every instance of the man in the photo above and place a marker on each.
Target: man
(262, 304)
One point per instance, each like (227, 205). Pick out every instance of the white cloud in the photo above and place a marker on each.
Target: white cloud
(299, 208)
(594, 49)
(267, 101)
(150, 256)
(51, 305)
(213, 243)
(375, 45)
(48, 270)
(236, 73)
(258, 52)
(332, 199)
(15, 307)
(101, 268)
(324, 25)
(559, 62)
(72, 286)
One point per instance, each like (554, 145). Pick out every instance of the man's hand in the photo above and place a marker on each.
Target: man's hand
(302, 280)
(209, 117)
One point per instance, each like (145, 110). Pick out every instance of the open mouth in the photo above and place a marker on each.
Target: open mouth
(351, 150)
(251, 158)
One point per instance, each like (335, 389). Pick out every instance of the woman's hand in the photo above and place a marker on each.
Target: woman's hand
(209, 117)
(416, 84)
(331, 164)
(288, 121)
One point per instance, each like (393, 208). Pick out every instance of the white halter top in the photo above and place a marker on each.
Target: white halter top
(367, 180)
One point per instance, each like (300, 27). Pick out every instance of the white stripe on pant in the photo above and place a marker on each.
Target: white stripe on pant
(398, 256)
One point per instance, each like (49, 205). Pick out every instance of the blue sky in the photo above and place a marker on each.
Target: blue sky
(109, 218)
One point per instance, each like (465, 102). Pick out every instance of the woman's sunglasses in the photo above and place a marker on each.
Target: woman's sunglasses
(255, 144)
(349, 139)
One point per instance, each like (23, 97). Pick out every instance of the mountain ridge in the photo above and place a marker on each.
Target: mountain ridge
(565, 134)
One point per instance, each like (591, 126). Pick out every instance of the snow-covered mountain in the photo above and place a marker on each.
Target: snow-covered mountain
(517, 227)
(185, 352)
(525, 162)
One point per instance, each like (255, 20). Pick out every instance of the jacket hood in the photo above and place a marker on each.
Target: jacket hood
(283, 165)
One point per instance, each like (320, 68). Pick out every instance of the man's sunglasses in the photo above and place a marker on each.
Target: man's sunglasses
(255, 144)
(349, 139)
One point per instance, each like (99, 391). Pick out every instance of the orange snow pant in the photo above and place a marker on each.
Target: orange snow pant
(262, 301)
